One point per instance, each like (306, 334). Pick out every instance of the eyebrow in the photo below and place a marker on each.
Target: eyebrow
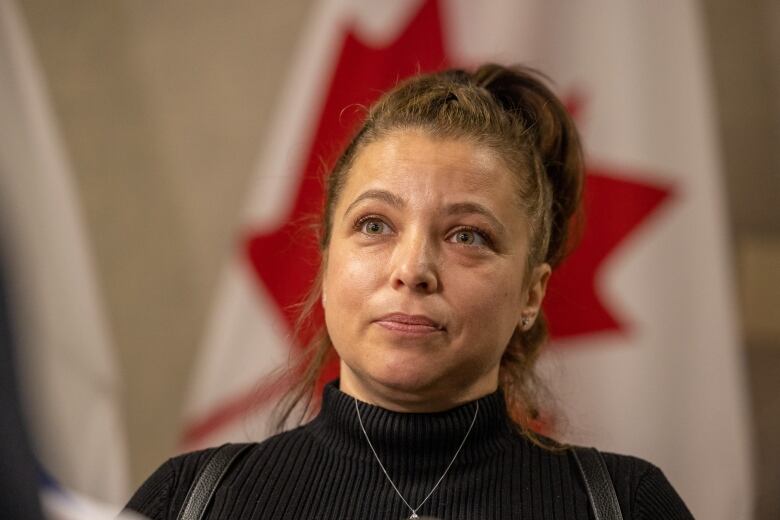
(458, 208)
(382, 195)
(465, 208)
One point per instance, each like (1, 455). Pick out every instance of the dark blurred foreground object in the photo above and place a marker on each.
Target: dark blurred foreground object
(18, 483)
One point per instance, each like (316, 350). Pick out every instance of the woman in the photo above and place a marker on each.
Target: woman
(443, 220)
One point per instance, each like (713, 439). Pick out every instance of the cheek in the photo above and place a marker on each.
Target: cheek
(350, 276)
(489, 301)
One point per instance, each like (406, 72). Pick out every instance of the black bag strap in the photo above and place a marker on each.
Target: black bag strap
(598, 484)
(205, 484)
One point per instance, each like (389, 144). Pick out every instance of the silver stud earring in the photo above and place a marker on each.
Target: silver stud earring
(528, 321)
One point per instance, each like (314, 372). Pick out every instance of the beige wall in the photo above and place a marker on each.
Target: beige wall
(163, 106)
(744, 40)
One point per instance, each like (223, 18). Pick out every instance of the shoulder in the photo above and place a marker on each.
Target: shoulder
(643, 490)
(162, 495)
(158, 496)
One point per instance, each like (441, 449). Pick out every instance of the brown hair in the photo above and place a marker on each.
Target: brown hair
(511, 111)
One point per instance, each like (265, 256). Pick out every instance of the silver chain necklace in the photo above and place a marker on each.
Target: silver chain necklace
(414, 509)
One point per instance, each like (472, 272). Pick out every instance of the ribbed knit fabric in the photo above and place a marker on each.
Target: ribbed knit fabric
(325, 470)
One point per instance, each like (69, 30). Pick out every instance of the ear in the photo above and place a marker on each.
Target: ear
(534, 294)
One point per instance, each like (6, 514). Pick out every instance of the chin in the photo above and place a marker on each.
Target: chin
(407, 379)
(393, 374)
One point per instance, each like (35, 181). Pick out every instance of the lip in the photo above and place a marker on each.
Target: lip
(409, 323)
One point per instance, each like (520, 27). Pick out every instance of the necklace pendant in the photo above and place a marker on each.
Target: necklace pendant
(414, 515)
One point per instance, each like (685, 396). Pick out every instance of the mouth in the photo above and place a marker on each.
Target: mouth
(409, 323)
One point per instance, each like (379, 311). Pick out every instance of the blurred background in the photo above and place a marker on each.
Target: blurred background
(163, 111)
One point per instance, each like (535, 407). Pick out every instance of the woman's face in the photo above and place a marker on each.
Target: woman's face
(424, 280)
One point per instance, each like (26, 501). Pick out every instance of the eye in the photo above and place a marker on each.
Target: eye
(372, 226)
(470, 237)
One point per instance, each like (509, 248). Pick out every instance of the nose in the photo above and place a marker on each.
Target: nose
(415, 264)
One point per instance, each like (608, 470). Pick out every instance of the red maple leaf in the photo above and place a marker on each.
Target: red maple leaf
(614, 207)
(286, 262)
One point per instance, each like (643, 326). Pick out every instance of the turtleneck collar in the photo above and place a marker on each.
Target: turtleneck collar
(418, 438)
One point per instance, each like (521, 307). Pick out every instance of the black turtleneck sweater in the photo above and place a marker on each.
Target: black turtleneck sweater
(325, 470)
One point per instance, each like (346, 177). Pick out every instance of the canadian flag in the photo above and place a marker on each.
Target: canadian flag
(645, 356)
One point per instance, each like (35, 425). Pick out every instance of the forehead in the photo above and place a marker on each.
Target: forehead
(414, 161)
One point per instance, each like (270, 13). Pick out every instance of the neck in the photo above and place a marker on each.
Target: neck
(411, 438)
(410, 398)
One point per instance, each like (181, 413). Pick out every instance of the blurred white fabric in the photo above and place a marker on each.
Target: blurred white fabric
(72, 506)
(67, 372)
